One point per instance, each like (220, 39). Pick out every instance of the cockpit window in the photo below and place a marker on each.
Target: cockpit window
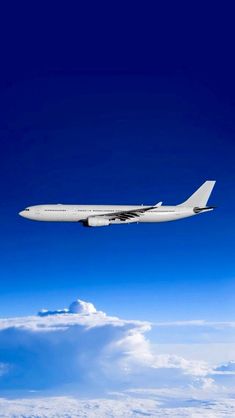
(27, 209)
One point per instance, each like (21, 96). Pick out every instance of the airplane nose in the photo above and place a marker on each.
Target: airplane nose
(21, 213)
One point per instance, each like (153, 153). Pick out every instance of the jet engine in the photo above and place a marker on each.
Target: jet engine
(97, 221)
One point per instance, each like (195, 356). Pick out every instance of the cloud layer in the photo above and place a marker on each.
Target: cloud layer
(125, 406)
(84, 351)
(82, 346)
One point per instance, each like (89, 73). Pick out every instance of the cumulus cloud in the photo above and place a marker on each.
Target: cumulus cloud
(82, 346)
(77, 307)
(83, 350)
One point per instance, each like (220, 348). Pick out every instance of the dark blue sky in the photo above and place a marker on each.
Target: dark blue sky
(117, 106)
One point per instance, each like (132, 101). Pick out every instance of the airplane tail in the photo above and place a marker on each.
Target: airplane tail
(201, 196)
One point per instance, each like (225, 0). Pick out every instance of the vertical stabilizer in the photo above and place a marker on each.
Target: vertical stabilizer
(201, 196)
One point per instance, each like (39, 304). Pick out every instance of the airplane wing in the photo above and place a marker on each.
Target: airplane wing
(128, 214)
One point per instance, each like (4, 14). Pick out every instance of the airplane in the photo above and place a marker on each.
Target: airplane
(103, 215)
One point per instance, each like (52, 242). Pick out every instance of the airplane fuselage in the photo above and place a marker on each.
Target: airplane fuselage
(80, 213)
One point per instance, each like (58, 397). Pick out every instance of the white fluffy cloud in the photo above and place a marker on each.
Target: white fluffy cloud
(84, 351)
(78, 306)
(82, 345)
(141, 404)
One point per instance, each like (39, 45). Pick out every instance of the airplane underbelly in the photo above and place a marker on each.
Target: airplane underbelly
(161, 217)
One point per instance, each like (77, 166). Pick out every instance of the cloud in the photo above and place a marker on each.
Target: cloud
(84, 351)
(226, 368)
(78, 346)
(82, 346)
(128, 405)
(197, 323)
(77, 307)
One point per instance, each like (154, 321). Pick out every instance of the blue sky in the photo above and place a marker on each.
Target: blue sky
(138, 117)
(116, 139)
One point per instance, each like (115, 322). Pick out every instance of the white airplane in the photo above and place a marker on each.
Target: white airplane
(102, 215)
